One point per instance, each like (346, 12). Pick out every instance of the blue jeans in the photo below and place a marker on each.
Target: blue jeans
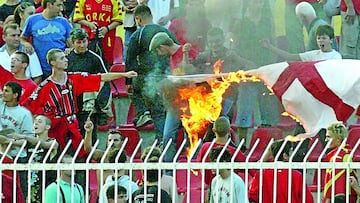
(252, 98)
(171, 128)
(128, 33)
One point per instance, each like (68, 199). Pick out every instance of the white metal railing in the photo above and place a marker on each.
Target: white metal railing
(176, 166)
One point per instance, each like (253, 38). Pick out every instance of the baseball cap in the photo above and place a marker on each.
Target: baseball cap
(158, 39)
(78, 33)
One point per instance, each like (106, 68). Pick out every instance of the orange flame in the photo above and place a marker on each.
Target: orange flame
(218, 66)
(195, 172)
(292, 138)
(291, 116)
(204, 103)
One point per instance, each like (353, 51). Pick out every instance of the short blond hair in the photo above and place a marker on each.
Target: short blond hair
(338, 129)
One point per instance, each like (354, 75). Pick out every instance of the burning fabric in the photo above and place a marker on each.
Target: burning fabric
(317, 93)
(199, 99)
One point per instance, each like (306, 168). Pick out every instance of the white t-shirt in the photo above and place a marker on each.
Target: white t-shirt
(32, 71)
(221, 190)
(317, 55)
(19, 119)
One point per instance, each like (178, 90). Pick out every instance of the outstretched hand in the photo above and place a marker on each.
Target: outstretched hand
(131, 74)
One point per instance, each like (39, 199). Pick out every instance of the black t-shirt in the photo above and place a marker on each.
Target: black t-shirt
(6, 10)
(88, 62)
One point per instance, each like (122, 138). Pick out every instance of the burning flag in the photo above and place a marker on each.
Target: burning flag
(317, 93)
(200, 99)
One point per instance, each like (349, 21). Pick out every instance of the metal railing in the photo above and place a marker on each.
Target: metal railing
(177, 167)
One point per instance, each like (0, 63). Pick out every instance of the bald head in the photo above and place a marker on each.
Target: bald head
(222, 126)
(305, 9)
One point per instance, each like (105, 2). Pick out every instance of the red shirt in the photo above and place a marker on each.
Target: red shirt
(103, 12)
(209, 175)
(267, 186)
(340, 182)
(177, 57)
(178, 26)
(57, 100)
(28, 85)
(356, 4)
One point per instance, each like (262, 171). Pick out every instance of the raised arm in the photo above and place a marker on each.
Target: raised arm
(89, 127)
(45, 144)
(284, 54)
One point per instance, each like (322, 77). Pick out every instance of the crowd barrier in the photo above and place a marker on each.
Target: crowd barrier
(188, 175)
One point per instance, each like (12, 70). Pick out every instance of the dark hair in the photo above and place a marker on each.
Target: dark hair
(142, 11)
(113, 154)
(115, 131)
(24, 57)
(110, 193)
(222, 126)
(275, 148)
(78, 33)
(154, 156)
(10, 26)
(152, 174)
(16, 88)
(44, 3)
(20, 9)
(325, 30)
(214, 154)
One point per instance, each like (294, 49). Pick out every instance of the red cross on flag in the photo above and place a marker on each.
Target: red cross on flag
(317, 93)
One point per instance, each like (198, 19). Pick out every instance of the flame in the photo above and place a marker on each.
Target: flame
(195, 172)
(291, 116)
(218, 66)
(203, 103)
(292, 138)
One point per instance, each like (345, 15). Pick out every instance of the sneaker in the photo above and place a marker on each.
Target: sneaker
(144, 120)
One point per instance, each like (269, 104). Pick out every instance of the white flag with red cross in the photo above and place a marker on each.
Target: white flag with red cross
(317, 93)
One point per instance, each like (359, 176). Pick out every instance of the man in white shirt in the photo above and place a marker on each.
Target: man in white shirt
(11, 36)
(227, 186)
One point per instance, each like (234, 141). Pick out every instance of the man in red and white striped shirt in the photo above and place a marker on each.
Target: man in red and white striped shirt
(55, 97)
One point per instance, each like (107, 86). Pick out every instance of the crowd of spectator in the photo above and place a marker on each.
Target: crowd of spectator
(55, 87)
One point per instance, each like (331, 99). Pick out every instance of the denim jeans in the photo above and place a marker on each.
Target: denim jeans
(128, 33)
(171, 128)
